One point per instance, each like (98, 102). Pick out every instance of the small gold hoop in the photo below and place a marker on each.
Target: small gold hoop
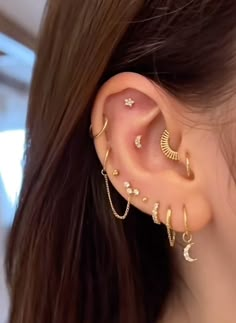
(188, 167)
(101, 131)
(171, 233)
(187, 236)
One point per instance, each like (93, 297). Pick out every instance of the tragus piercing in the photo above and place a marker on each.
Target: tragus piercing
(137, 141)
(129, 102)
(165, 146)
(101, 131)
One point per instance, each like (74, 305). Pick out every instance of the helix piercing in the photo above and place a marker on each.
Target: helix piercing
(165, 146)
(187, 238)
(155, 213)
(100, 132)
(104, 174)
(138, 142)
(171, 233)
(129, 102)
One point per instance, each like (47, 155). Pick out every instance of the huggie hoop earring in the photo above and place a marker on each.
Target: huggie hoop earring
(187, 238)
(171, 233)
(104, 174)
(165, 146)
(188, 167)
(101, 131)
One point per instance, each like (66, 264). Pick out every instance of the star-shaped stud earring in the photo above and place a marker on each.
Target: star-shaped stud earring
(129, 102)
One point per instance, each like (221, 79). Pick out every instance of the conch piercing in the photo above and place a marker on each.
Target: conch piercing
(171, 233)
(187, 238)
(129, 102)
(138, 142)
(155, 213)
(104, 174)
(101, 131)
(165, 146)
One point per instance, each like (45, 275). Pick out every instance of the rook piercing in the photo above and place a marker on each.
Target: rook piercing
(101, 131)
(129, 102)
(187, 238)
(137, 142)
(171, 233)
(155, 213)
(165, 146)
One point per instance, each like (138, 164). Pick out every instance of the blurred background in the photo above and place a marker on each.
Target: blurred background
(19, 25)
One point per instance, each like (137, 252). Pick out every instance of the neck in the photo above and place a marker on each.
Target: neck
(206, 291)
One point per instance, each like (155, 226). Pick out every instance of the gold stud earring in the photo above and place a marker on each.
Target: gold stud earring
(138, 142)
(187, 238)
(165, 146)
(155, 213)
(130, 190)
(104, 174)
(129, 102)
(144, 199)
(101, 131)
(171, 233)
(115, 172)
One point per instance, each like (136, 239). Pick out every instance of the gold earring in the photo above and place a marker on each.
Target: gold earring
(101, 131)
(138, 142)
(165, 146)
(187, 238)
(129, 102)
(155, 213)
(171, 233)
(104, 174)
(116, 172)
(187, 164)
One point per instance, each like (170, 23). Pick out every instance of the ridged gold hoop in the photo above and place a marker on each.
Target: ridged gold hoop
(104, 174)
(101, 131)
(171, 233)
(165, 146)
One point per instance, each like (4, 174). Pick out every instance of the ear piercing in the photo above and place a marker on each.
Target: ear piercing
(137, 141)
(101, 131)
(187, 238)
(171, 233)
(165, 146)
(155, 213)
(129, 102)
(130, 190)
(115, 172)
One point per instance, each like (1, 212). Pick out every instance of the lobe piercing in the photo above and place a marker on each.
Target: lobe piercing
(171, 233)
(137, 142)
(144, 199)
(165, 146)
(116, 172)
(130, 190)
(129, 102)
(155, 213)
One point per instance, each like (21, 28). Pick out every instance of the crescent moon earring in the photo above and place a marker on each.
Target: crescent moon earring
(187, 238)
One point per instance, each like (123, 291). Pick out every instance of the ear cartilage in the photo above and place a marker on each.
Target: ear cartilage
(138, 142)
(129, 102)
(165, 147)
(155, 213)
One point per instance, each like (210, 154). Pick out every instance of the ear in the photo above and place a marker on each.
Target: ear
(133, 136)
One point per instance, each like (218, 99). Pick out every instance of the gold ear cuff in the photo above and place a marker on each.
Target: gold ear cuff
(165, 146)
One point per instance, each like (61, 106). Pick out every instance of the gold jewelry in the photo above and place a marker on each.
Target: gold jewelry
(165, 146)
(101, 131)
(144, 199)
(115, 172)
(188, 167)
(187, 238)
(104, 174)
(138, 142)
(155, 213)
(171, 233)
(129, 102)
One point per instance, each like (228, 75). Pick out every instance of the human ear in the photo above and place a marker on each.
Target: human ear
(137, 113)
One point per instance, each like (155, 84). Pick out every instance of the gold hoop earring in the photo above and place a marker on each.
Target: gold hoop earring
(101, 131)
(165, 146)
(104, 174)
(187, 238)
(171, 233)
(188, 167)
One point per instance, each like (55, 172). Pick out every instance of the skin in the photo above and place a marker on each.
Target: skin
(205, 293)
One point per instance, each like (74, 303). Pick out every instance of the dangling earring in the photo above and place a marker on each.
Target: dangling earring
(171, 233)
(165, 146)
(101, 131)
(104, 174)
(187, 238)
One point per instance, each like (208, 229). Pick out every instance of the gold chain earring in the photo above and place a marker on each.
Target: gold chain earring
(187, 238)
(165, 146)
(171, 233)
(101, 131)
(104, 174)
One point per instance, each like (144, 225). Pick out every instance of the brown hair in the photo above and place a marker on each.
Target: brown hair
(68, 259)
